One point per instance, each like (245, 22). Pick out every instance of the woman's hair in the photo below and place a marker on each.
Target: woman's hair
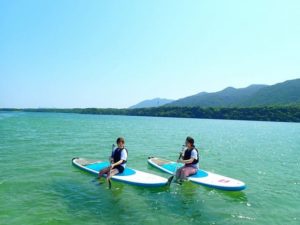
(120, 140)
(190, 140)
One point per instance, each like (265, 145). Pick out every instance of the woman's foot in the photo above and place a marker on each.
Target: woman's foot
(100, 181)
(178, 181)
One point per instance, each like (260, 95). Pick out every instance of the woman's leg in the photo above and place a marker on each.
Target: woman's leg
(112, 173)
(103, 171)
(178, 173)
(187, 171)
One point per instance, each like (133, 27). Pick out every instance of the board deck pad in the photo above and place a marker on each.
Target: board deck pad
(102, 165)
(201, 177)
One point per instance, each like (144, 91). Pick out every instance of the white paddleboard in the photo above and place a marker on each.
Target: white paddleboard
(130, 176)
(201, 177)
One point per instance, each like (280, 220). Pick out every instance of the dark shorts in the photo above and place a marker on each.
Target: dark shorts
(119, 168)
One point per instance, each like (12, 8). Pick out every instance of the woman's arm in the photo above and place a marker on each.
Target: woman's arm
(187, 161)
(117, 163)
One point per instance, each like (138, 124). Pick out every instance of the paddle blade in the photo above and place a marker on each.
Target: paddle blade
(109, 184)
(170, 180)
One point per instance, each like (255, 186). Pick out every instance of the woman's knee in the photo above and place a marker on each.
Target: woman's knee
(184, 170)
(105, 170)
(114, 172)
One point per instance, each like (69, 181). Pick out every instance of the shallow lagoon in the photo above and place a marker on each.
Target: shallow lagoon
(38, 184)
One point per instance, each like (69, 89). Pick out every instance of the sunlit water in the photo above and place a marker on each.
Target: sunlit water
(38, 184)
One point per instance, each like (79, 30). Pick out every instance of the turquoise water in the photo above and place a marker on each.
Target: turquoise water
(38, 184)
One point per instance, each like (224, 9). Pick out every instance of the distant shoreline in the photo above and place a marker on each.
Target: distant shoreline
(266, 113)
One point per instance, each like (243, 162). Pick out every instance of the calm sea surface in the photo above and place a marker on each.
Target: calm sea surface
(38, 184)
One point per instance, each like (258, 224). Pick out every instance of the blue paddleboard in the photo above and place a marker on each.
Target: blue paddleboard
(201, 177)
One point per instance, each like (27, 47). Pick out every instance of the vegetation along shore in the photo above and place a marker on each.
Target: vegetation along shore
(265, 113)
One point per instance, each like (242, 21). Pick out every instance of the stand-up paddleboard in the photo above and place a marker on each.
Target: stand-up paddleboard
(130, 176)
(201, 177)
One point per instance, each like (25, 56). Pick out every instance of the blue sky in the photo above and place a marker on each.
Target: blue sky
(117, 53)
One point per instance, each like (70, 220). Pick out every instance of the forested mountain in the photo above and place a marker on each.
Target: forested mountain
(286, 93)
(226, 98)
(156, 102)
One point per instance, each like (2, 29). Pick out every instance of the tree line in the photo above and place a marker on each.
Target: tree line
(267, 113)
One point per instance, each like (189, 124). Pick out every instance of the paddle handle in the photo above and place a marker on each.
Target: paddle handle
(112, 150)
(181, 153)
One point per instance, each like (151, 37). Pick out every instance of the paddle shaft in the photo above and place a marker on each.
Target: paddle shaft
(171, 178)
(109, 181)
(180, 154)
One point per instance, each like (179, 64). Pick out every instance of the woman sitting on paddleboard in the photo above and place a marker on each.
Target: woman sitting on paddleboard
(190, 159)
(118, 160)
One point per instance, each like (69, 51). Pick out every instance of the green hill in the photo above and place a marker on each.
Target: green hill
(228, 97)
(156, 102)
(286, 93)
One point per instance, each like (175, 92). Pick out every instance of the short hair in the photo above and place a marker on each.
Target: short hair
(120, 140)
(190, 140)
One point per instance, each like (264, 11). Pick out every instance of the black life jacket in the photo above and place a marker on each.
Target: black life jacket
(116, 155)
(187, 156)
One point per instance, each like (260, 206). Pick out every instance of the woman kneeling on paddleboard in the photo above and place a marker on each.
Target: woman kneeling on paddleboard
(118, 160)
(190, 159)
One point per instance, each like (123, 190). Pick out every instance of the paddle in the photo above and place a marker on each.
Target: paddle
(172, 177)
(109, 181)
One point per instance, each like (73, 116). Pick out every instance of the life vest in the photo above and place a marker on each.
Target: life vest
(187, 156)
(116, 155)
